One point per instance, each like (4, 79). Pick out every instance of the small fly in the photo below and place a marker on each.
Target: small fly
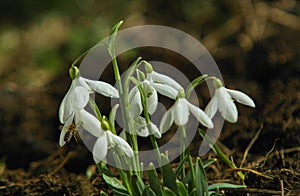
(71, 132)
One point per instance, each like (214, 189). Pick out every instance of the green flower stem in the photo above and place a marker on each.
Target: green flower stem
(148, 120)
(124, 105)
(182, 148)
(96, 109)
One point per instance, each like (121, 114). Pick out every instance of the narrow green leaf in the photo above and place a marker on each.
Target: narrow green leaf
(219, 152)
(208, 162)
(193, 192)
(168, 192)
(137, 184)
(182, 191)
(103, 193)
(225, 186)
(179, 167)
(112, 115)
(103, 169)
(148, 192)
(154, 180)
(115, 184)
(187, 178)
(169, 179)
(113, 35)
(201, 181)
(119, 193)
(130, 71)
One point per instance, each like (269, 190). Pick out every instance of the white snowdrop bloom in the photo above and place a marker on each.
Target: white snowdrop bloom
(179, 113)
(223, 100)
(109, 140)
(161, 78)
(151, 90)
(68, 105)
(76, 101)
(142, 129)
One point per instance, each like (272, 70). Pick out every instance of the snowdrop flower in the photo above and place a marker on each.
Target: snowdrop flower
(71, 110)
(151, 90)
(78, 99)
(223, 100)
(67, 105)
(142, 129)
(160, 78)
(179, 113)
(109, 140)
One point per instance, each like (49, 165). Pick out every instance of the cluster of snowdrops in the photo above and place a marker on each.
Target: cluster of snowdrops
(136, 104)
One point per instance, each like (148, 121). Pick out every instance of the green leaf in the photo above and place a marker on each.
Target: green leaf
(182, 191)
(196, 82)
(187, 178)
(201, 181)
(103, 193)
(168, 192)
(219, 152)
(130, 71)
(179, 167)
(208, 162)
(115, 185)
(112, 37)
(112, 115)
(169, 179)
(137, 184)
(154, 180)
(193, 192)
(148, 192)
(225, 186)
(103, 169)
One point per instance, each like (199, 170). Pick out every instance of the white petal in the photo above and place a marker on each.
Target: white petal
(200, 116)
(181, 112)
(157, 77)
(226, 105)
(82, 82)
(100, 148)
(212, 107)
(135, 103)
(89, 122)
(65, 130)
(80, 98)
(122, 144)
(166, 121)
(165, 90)
(141, 127)
(241, 97)
(155, 131)
(66, 106)
(152, 100)
(103, 88)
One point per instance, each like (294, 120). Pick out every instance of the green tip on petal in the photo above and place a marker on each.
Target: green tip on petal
(105, 124)
(148, 67)
(181, 93)
(218, 83)
(74, 72)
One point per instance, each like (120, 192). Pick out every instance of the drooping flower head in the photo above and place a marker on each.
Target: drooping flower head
(179, 113)
(71, 110)
(223, 100)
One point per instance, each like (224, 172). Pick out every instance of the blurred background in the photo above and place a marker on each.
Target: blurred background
(254, 42)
